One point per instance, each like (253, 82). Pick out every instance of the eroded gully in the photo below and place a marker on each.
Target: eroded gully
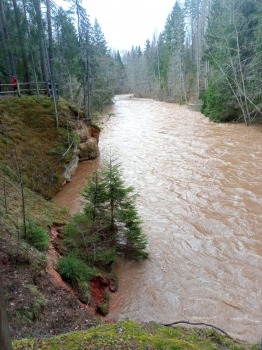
(201, 205)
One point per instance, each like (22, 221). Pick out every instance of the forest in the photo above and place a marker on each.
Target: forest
(209, 50)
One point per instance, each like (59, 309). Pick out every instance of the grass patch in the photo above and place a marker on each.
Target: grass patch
(132, 336)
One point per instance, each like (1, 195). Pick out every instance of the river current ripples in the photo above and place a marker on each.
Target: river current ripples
(200, 200)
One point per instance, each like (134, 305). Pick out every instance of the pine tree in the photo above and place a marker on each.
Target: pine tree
(101, 70)
(123, 214)
(119, 74)
(110, 224)
(174, 35)
(135, 242)
(116, 191)
(95, 208)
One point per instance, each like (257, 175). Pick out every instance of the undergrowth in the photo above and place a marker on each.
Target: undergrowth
(73, 269)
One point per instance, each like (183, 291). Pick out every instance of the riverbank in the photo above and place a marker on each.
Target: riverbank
(36, 160)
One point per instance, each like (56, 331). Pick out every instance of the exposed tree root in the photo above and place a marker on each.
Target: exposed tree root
(196, 324)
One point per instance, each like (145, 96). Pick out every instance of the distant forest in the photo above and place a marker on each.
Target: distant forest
(209, 50)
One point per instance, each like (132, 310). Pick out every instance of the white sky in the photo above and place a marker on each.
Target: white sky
(128, 22)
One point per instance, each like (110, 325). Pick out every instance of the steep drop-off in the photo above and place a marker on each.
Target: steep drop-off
(36, 159)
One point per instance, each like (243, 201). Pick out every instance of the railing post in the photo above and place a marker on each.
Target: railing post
(18, 89)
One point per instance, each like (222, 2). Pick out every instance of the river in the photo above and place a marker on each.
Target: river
(200, 199)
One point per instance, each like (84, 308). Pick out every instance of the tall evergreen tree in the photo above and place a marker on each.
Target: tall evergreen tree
(101, 67)
(119, 74)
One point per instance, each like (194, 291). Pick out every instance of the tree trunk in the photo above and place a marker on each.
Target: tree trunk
(37, 7)
(22, 44)
(88, 76)
(6, 40)
(50, 59)
(5, 339)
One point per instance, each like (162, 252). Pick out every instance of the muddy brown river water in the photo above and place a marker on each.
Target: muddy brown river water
(200, 187)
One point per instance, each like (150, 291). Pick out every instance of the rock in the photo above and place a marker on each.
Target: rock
(89, 136)
(86, 131)
(88, 150)
(95, 133)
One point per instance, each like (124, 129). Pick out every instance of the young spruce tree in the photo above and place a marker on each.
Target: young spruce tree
(124, 218)
(109, 225)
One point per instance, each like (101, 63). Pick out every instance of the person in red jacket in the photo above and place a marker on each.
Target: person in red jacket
(14, 84)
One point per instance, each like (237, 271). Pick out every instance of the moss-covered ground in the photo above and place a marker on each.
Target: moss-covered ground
(132, 336)
(29, 139)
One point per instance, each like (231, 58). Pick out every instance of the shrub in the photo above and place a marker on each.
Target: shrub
(218, 104)
(84, 293)
(37, 236)
(103, 309)
(73, 269)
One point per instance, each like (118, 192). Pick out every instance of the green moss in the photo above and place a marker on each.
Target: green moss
(29, 139)
(132, 336)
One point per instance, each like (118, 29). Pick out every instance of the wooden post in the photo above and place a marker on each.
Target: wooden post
(5, 339)
(18, 89)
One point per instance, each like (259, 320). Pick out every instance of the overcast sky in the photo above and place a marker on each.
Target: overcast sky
(128, 22)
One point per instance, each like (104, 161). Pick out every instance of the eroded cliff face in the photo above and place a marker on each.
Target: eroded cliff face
(87, 149)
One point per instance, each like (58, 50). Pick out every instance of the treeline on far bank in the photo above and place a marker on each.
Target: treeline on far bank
(209, 50)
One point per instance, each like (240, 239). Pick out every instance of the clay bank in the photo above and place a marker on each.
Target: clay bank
(85, 149)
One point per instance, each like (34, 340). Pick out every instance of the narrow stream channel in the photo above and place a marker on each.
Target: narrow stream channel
(201, 205)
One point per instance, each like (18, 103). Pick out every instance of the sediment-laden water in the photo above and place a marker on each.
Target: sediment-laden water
(201, 205)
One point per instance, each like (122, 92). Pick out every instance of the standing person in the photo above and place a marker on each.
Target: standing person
(14, 84)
